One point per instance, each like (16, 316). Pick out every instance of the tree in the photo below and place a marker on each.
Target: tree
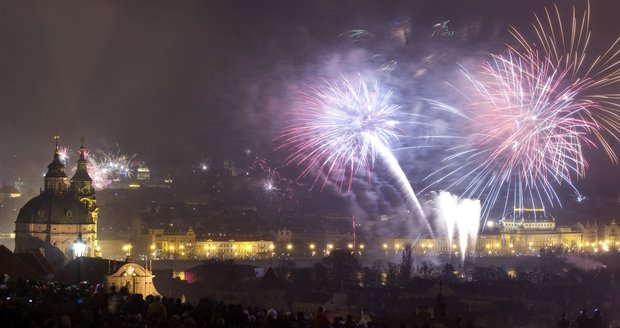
(392, 275)
(373, 274)
(427, 270)
(342, 267)
(447, 273)
(285, 268)
(406, 266)
(302, 277)
(319, 275)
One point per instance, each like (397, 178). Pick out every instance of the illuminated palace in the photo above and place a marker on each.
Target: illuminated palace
(183, 245)
(64, 213)
(524, 232)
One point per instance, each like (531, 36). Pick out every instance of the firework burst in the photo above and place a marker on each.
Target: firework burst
(64, 154)
(104, 168)
(340, 129)
(567, 49)
(269, 185)
(527, 129)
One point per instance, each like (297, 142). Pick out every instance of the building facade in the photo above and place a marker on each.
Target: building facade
(230, 249)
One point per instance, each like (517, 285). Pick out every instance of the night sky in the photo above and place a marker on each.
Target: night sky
(178, 81)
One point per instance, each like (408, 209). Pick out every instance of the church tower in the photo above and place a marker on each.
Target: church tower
(82, 187)
(56, 181)
(81, 182)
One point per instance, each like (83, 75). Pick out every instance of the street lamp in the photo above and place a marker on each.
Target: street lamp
(289, 249)
(79, 248)
(329, 248)
(127, 248)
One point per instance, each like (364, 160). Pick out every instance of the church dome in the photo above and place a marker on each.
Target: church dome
(54, 209)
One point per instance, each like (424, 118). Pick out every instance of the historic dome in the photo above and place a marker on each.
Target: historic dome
(54, 209)
(60, 215)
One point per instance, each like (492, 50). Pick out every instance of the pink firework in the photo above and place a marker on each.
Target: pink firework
(527, 128)
(104, 168)
(565, 42)
(335, 128)
(341, 128)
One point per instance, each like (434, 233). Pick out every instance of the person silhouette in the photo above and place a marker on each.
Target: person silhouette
(597, 320)
(563, 322)
(582, 319)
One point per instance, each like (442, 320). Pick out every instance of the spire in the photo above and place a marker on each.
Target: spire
(439, 311)
(82, 147)
(81, 182)
(56, 169)
(55, 178)
(56, 138)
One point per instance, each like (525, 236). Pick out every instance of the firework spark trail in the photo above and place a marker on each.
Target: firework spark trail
(401, 179)
(567, 48)
(447, 207)
(104, 168)
(271, 186)
(357, 35)
(65, 154)
(340, 129)
(528, 129)
(97, 171)
(468, 224)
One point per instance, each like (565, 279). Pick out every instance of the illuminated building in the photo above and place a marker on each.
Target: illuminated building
(230, 249)
(144, 174)
(65, 210)
(184, 245)
(136, 278)
(525, 232)
(611, 233)
(172, 244)
(533, 229)
(9, 192)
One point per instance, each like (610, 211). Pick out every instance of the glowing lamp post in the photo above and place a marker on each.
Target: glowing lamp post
(289, 249)
(330, 247)
(79, 246)
(127, 249)
(79, 249)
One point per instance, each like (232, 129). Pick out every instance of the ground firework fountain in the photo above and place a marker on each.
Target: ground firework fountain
(460, 217)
